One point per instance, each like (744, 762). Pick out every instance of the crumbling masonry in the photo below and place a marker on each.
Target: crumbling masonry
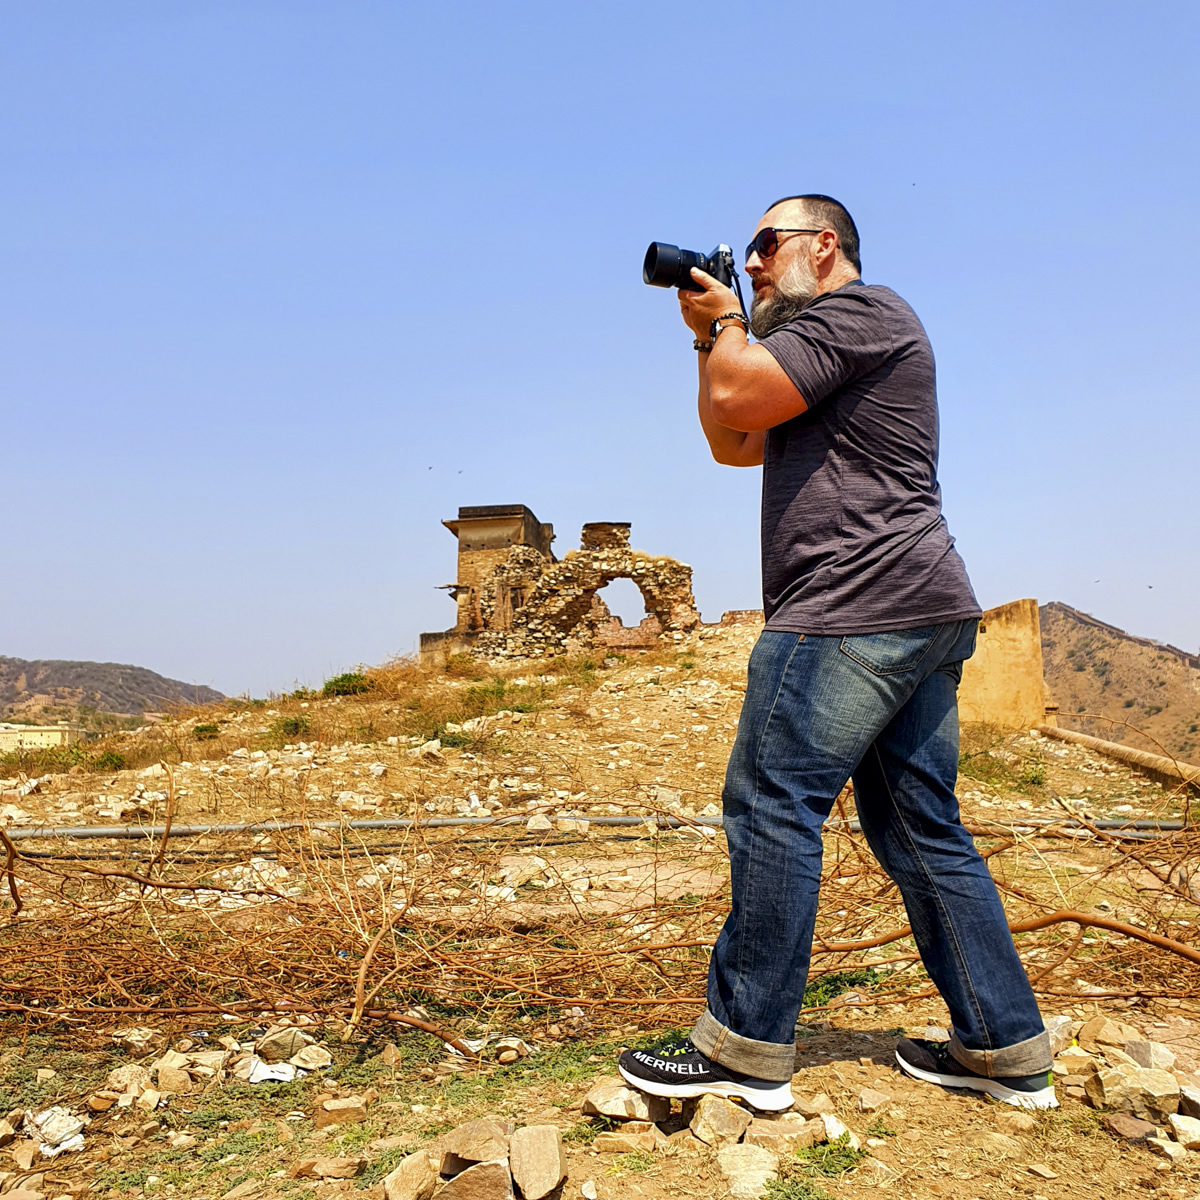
(515, 599)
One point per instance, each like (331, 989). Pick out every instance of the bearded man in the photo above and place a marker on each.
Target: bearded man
(869, 618)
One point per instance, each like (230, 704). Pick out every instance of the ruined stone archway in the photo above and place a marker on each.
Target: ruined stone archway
(532, 608)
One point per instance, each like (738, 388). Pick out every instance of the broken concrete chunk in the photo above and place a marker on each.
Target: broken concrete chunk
(611, 1098)
(483, 1181)
(538, 1160)
(747, 1169)
(414, 1179)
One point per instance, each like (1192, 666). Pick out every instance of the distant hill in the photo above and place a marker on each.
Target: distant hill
(54, 689)
(1094, 667)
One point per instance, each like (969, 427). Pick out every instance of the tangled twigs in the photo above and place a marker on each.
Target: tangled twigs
(156, 865)
(467, 931)
(10, 857)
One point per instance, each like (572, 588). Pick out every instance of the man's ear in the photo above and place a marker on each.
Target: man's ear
(826, 247)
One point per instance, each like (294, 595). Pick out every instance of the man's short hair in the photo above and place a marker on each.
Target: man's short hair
(825, 210)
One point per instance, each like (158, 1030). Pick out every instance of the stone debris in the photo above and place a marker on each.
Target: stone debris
(1059, 1030)
(327, 1168)
(820, 1104)
(1103, 1031)
(312, 1058)
(587, 1189)
(611, 1098)
(870, 1100)
(1151, 1054)
(747, 1170)
(1185, 1130)
(836, 1128)
(1189, 1100)
(1152, 1095)
(1131, 1129)
(57, 1130)
(414, 1179)
(995, 1145)
(538, 1160)
(348, 1111)
(138, 1040)
(280, 1043)
(1014, 1121)
(1041, 1171)
(785, 1135)
(632, 1137)
(719, 1122)
(1173, 1152)
(475, 1142)
(482, 1181)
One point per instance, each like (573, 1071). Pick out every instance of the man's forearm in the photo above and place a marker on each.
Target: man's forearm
(730, 447)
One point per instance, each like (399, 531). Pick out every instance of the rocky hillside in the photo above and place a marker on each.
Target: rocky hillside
(1097, 668)
(55, 689)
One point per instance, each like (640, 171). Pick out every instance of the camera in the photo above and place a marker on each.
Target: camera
(667, 266)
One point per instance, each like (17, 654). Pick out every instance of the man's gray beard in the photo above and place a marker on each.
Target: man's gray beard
(791, 294)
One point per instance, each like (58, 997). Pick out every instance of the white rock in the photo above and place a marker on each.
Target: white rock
(1185, 1130)
(538, 824)
(1059, 1029)
(1151, 1054)
(747, 1170)
(835, 1127)
(1164, 1148)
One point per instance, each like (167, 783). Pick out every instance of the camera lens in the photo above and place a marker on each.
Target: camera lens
(660, 267)
(667, 266)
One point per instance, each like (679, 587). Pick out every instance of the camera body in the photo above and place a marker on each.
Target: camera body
(667, 266)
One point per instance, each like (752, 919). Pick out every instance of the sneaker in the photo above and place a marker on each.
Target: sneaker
(679, 1070)
(933, 1062)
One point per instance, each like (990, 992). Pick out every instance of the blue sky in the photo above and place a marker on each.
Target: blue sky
(286, 283)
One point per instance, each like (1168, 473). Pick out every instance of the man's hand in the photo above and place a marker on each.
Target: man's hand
(701, 309)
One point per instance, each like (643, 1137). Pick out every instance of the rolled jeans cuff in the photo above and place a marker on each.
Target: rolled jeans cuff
(1030, 1057)
(759, 1060)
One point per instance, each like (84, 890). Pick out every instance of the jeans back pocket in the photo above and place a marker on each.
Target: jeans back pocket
(893, 652)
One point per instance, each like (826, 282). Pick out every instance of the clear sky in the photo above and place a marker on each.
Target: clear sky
(284, 283)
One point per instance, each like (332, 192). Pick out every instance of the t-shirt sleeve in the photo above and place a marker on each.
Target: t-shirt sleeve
(830, 344)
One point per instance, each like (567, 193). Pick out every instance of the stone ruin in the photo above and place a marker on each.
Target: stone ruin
(515, 599)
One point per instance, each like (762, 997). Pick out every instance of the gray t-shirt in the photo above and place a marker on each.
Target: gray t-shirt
(853, 538)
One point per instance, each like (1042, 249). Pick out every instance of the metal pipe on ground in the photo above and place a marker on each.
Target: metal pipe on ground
(129, 832)
(1168, 770)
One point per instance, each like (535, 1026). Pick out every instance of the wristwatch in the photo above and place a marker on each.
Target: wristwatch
(716, 326)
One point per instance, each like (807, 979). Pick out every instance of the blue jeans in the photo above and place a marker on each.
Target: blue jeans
(881, 708)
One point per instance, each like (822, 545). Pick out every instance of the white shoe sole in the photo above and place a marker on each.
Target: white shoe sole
(777, 1099)
(1044, 1098)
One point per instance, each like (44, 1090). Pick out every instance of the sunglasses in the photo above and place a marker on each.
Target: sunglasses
(766, 241)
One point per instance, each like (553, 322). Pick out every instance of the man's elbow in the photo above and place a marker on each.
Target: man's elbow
(736, 413)
(730, 410)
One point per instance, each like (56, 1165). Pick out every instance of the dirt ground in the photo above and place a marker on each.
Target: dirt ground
(634, 737)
